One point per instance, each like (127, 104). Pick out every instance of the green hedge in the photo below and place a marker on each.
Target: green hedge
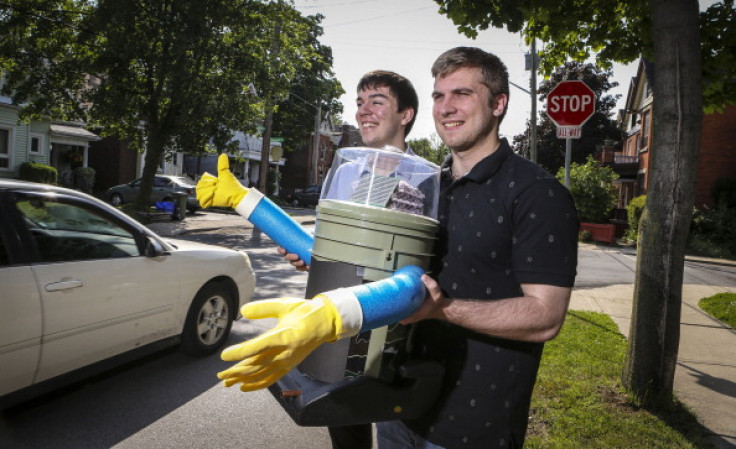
(633, 212)
(32, 171)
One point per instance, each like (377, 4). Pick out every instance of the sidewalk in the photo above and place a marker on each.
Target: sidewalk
(706, 369)
(705, 379)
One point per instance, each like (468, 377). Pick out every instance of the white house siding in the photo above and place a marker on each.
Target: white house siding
(18, 140)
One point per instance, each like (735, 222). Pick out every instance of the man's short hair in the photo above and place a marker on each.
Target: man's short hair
(400, 87)
(493, 70)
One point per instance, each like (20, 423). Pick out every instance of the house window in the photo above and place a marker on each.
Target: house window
(36, 147)
(5, 152)
(645, 130)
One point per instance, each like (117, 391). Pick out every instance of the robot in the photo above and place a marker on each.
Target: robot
(341, 358)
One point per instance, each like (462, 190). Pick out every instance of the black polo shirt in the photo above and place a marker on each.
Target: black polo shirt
(505, 223)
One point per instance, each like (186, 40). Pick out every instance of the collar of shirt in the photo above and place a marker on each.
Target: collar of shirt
(485, 168)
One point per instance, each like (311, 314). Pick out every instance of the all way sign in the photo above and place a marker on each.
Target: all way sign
(569, 105)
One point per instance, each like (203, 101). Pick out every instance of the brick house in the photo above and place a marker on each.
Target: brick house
(716, 157)
(303, 164)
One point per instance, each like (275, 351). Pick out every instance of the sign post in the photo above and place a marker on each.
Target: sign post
(569, 105)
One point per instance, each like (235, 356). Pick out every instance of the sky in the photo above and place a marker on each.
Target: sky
(406, 36)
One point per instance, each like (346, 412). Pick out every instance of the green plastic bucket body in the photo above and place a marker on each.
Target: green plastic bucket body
(374, 242)
(379, 240)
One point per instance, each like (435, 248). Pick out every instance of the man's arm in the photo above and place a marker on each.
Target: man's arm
(535, 317)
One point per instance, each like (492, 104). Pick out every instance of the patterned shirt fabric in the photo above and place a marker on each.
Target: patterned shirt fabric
(505, 223)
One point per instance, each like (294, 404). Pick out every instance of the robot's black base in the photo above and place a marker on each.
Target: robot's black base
(361, 399)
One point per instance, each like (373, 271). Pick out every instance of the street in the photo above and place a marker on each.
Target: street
(170, 400)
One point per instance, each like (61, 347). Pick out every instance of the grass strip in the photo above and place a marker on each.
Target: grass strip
(579, 401)
(722, 307)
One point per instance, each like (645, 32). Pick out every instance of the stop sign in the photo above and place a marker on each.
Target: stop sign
(570, 103)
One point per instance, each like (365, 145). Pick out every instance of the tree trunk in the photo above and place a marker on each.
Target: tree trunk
(655, 327)
(155, 148)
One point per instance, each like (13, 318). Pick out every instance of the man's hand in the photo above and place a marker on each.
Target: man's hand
(302, 327)
(432, 305)
(293, 259)
(222, 191)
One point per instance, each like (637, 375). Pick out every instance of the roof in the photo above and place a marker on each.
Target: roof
(72, 131)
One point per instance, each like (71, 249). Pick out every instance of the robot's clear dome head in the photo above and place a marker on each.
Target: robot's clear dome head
(386, 177)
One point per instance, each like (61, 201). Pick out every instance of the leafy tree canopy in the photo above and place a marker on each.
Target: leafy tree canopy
(432, 149)
(609, 30)
(175, 74)
(294, 118)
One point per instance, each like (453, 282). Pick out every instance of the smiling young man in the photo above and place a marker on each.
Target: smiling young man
(387, 105)
(502, 273)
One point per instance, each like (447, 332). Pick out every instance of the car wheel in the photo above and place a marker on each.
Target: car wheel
(209, 320)
(116, 199)
(295, 202)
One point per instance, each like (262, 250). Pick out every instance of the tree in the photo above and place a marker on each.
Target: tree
(592, 189)
(294, 118)
(668, 33)
(159, 74)
(601, 126)
(433, 149)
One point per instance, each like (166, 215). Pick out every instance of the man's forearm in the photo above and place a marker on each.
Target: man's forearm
(536, 317)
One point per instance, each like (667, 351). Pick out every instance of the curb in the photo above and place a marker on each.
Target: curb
(632, 252)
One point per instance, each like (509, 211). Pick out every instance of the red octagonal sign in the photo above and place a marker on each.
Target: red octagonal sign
(570, 103)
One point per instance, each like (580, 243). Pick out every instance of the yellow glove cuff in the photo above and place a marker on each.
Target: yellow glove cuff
(349, 313)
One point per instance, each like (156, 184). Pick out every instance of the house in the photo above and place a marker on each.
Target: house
(716, 156)
(64, 146)
(306, 167)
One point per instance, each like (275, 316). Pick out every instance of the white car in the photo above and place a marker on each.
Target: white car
(84, 286)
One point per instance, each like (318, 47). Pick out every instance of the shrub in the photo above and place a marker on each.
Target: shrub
(723, 191)
(34, 172)
(585, 236)
(84, 179)
(591, 187)
(633, 212)
(714, 231)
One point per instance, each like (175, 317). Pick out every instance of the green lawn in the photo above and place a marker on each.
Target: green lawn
(579, 402)
(721, 306)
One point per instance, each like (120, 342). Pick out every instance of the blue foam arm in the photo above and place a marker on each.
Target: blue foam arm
(392, 299)
(282, 229)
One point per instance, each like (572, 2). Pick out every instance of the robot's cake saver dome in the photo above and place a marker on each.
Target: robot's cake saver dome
(385, 178)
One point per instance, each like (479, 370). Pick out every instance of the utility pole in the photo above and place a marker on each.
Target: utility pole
(533, 118)
(316, 145)
(268, 121)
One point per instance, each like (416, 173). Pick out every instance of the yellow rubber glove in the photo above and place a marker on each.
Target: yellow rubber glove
(222, 191)
(303, 326)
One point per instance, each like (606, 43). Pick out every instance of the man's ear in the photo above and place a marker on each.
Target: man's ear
(499, 104)
(406, 116)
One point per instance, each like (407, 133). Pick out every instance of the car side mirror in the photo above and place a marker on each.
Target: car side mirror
(153, 248)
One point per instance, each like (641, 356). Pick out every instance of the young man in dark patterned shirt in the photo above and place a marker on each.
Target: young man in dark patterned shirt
(503, 272)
